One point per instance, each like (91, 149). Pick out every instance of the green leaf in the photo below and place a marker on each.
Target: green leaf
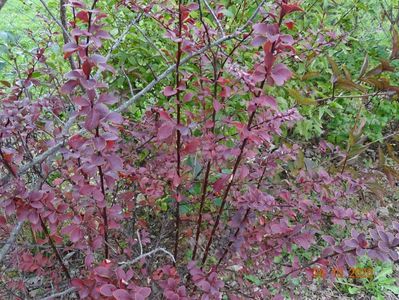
(253, 279)
(301, 100)
(393, 288)
(383, 274)
(353, 290)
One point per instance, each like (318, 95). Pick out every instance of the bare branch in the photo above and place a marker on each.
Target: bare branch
(60, 294)
(214, 17)
(390, 93)
(64, 33)
(11, 240)
(122, 37)
(56, 20)
(131, 262)
(127, 263)
(42, 157)
(141, 245)
(129, 82)
(151, 42)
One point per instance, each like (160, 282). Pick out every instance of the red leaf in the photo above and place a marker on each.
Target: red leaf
(115, 117)
(76, 235)
(216, 105)
(77, 283)
(86, 67)
(92, 120)
(220, 183)
(191, 147)
(106, 290)
(69, 49)
(83, 15)
(76, 141)
(69, 86)
(266, 100)
(166, 130)
(169, 91)
(289, 8)
(280, 74)
(108, 99)
(121, 295)
(226, 92)
(290, 24)
(143, 292)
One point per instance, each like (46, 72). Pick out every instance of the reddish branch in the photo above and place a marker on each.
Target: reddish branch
(55, 250)
(178, 133)
(208, 165)
(244, 219)
(237, 163)
(226, 192)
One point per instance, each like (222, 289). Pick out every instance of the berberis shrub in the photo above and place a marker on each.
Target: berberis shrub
(200, 195)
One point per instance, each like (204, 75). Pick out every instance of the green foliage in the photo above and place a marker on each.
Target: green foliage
(381, 285)
(333, 118)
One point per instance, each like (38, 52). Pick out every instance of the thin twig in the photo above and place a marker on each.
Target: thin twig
(139, 239)
(60, 294)
(10, 240)
(131, 262)
(151, 43)
(128, 82)
(214, 17)
(122, 37)
(356, 96)
(178, 133)
(56, 20)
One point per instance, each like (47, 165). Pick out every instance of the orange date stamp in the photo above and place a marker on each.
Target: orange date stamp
(354, 273)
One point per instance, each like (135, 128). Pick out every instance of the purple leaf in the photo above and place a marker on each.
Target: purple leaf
(115, 117)
(81, 101)
(169, 91)
(266, 100)
(121, 295)
(69, 86)
(92, 120)
(329, 239)
(76, 235)
(350, 259)
(166, 130)
(115, 162)
(108, 99)
(69, 49)
(106, 290)
(216, 105)
(143, 291)
(102, 272)
(280, 74)
(204, 285)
